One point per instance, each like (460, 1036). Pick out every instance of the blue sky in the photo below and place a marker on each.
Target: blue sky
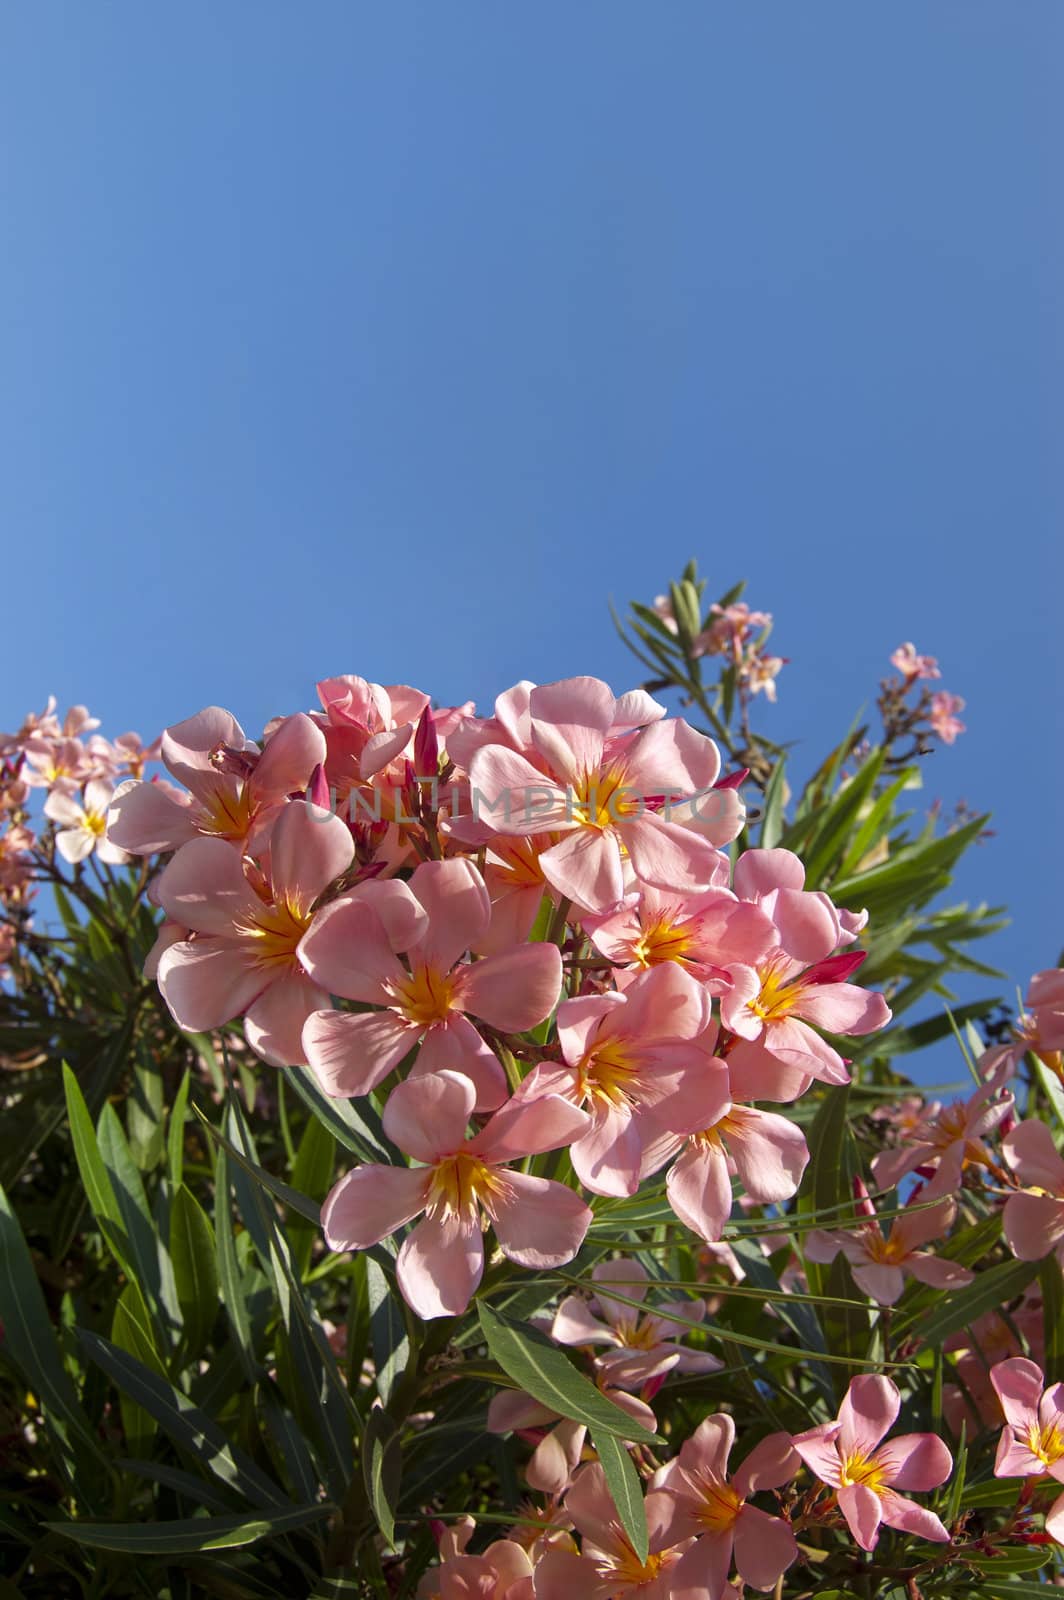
(394, 339)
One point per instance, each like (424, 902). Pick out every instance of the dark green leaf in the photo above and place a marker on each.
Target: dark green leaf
(626, 1490)
(382, 1469)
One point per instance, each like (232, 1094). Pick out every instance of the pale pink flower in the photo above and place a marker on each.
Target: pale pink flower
(808, 925)
(609, 1568)
(132, 753)
(662, 608)
(1032, 1442)
(704, 932)
(559, 1442)
(82, 824)
(647, 790)
(62, 765)
(947, 1140)
(881, 1263)
(711, 1506)
(943, 716)
(234, 790)
(242, 958)
(441, 914)
(642, 1346)
(37, 724)
(538, 1223)
(1033, 1220)
(502, 1572)
(761, 675)
(625, 1053)
(990, 1339)
(912, 666)
(851, 1457)
(1039, 1029)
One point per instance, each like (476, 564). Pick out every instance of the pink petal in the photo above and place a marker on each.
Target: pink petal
(758, 872)
(703, 1570)
(569, 722)
(796, 1045)
(868, 1412)
(510, 795)
(700, 1191)
(708, 1448)
(769, 1465)
(819, 1450)
(293, 750)
(884, 1284)
(1018, 1385)
(510, 1409)
(764, 1547)
(427, 1117)
(585, 867)
(206, 982)
(556, 1458)
(1031, 1153)
(770, 1153)
(440, 1264)
(458, 908)
(350, 1054)
(273, 1024)
(64, 809)
(938, 1271)
(204, 888)
(347, 951)
(514, 991)
(575, 1323)
(917, 1225)
(74, 844)
(667, 855)
(898, 1512)
(671, 758)
(665, 1003)
(808, 926)
(186, 749)
(861, 1508)
(607, 1157)
(560, 1575)
(402, 915)
(369, 1203)
(456, 1046)
(1033, 1225)
(538, 1223)
(916, 1461)
(1015, 1460)
(591, 1507)
(309, 849)
(581, 1021)
(528, 1127)
(843, 1008)
(150, 818)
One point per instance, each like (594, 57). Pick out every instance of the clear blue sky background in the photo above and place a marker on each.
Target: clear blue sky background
(392, 339)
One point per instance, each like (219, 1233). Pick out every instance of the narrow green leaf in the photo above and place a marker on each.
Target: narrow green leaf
(175, 1133)
(229, 1275)
(299, 1203)
(196, 1533)
(382, 1469)
(388, 1329)
(772, 815)
(357, 1128)
(192, 1250)
(626, 1490)
(990, 1291)
(131, 1330)
(1052, 1286)
(539, 1367)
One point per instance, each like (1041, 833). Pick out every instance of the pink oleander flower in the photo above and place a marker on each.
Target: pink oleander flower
(703, 932)
(646, 790)
(643, 1346)
(912, 666)
(559, 1451)
(1039, 1029)
(16, 867)
(712, 1507)
(232, 790)
(82, 824)
(761, 674)
(946, 1140)
(60, 765)
(242, 958)
(37, 724)
(808, 926)
(538, 1223)
(131, 752)
(943, 716)
(625, 1056)
(729, 634)
(502, 1572)
(662, 608)
(880, 1262)
(712, 1135)
(975, 1351)
(1033, 1220)
(352, 951)
(608, 1567)
(851, 1457)
(1032, 1442)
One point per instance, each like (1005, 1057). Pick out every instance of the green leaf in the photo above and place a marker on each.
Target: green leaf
(299, 1203)
(192, 1250)
(175, 1132)
(357, 1128)
(539, 1367)
(1052, 1286)
(1025, 1559)
(990, 1291)
(312, 1174)
(131, 1330)
(382, 1469)
(388, 1329)
(626, 1490)
(185, 1423)
(772, 815)
(828, 842)
(196, 1533)
(136, 1219)
(229, 1275)
(29, 1344)
(94, 1174)
(1052, 1088)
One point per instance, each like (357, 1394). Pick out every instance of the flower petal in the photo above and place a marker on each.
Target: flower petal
(370, 1202)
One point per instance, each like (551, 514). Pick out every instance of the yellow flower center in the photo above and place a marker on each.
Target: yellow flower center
(778, 996)
(637, 1333)
(96, 823)
(461, 1182)
(887, 1251)
(601, 799)
(1046, 1443)
(861, 1469)
(427, 996)
(228, 815)
(276, 930)
(626, 1567)
(663, 941)
(607, 1073)
(720, 1506)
